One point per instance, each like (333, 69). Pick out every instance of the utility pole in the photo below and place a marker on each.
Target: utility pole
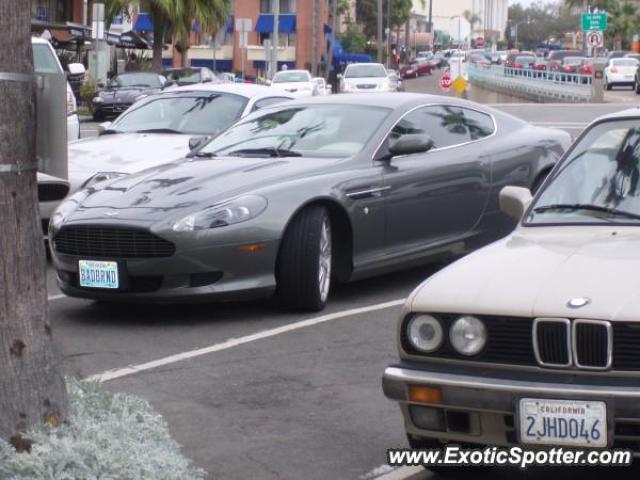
(431, 31)
(388, 31)
(332, 42)
(275, 43)
(32, 388)
(314, 38)
(379, 31)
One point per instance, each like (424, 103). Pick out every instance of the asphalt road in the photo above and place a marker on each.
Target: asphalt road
(253, 392)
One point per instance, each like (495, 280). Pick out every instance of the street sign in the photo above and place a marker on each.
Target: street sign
(243, 24)
(594, 21)
(479, 42)
(445, 81)
(459, 84)
(595, 39)
(243, 39)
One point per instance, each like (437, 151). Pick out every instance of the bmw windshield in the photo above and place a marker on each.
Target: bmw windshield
(599, 183)
(206, 114)
(331, 131)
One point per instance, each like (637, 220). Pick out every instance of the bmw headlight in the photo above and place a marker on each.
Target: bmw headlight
(98, 99)
(238, 210)
(101, 177)
(468, 335)
(425, 333)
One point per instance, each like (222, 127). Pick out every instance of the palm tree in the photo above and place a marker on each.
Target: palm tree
(623, 22)
(175, 17)
(472, 18)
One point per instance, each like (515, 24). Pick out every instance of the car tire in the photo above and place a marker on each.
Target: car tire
(637, 87)
(305, 261)
(607, 85)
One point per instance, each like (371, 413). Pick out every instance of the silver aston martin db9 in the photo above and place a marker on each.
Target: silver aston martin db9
(296, 195)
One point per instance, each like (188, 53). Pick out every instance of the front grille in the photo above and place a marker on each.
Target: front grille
(551, 342)
(111, 242)
(591, 342)
(366, 86)
(135, 284)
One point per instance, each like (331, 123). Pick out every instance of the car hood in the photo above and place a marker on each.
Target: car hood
(367, 80)
(188, 185)
(291, 86)
(123, 152)
(534, 272)
(128, 94)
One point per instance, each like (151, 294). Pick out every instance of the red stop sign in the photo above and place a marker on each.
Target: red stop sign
(445, 81)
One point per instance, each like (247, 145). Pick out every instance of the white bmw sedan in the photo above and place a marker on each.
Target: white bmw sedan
(534, 340)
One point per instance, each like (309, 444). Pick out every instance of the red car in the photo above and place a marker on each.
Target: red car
(416, 69)
(572, 64)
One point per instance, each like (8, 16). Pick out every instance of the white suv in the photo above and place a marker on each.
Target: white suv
(365, 78)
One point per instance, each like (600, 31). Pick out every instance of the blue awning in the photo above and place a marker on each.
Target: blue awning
(143, 23)
(260, 64)
(228, 24)
(220, 66)
(286, 23)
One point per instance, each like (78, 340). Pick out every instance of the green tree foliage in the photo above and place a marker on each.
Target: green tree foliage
(174, 19)
(353, 40)
(550, 21)
(367, 14)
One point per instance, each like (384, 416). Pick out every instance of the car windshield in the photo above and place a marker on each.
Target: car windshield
(202, 114)
(365, 71)
(136, 80)
(324, 131)
(598, 183)
(183, 76)
(625, 62)
(290, 77)
(44, 60)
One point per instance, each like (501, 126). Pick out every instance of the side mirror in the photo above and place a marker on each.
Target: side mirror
(411, 143)
(514, 201)
(339, 76)
(76, 69)
(268, 83)
(197, 142)
(103, 127)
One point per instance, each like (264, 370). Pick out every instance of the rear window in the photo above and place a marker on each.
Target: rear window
(44, 60)
(625, 62)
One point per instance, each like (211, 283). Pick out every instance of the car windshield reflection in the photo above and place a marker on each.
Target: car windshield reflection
(325, 131)
(599, 183)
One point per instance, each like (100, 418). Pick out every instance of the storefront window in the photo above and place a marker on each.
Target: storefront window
(286, 6)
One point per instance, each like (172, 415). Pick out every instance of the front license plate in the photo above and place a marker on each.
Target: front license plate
(563, 422)
(98, 274)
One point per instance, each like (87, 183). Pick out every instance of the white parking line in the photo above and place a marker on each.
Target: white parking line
(52, 298)
(402, 473)
(234, 342)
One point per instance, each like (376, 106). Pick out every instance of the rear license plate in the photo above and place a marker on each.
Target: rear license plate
(98, 274)
(563, 422)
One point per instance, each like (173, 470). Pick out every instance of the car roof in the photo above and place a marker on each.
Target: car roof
(628, 114)
(390, 100)
(244, 89)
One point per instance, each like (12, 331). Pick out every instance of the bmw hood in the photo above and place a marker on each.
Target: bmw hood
(124, 153)
(188, 185)
(535, 272)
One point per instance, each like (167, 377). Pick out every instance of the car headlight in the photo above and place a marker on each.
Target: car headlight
(424, 332)
(468, 335)
(98, 99)
(71, 102)
(384, 86)
(101, 177)
(236, 211)
(66, 208)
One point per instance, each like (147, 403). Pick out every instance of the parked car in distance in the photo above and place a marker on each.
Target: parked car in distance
(299, 83)
(635, 56)
(524, 62)
(479, 59)
(416, 69)
(396, 82)
(372, 183)
(124, 90)
(163, 127)
(498, 56)
(480, 367)
(322, 87)
(510, 61)
(189, 76)
(572, 64)
(556, 57)
(365, 78)
(620, 71)
(617, 54)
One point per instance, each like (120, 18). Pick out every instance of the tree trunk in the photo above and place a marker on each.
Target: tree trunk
(32, 388)
(158, 37)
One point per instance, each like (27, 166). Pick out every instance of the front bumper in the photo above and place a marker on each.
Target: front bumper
(199, 274)
(110, 109)
(480, 409)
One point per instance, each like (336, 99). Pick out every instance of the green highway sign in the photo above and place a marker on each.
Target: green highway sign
(594, 21)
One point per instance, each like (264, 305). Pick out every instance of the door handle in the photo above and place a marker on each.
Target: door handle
(368, 192)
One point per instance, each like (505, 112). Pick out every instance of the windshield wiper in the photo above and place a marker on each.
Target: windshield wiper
(158, 130)
(110, 132)
(588, 207)
(265, 151)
